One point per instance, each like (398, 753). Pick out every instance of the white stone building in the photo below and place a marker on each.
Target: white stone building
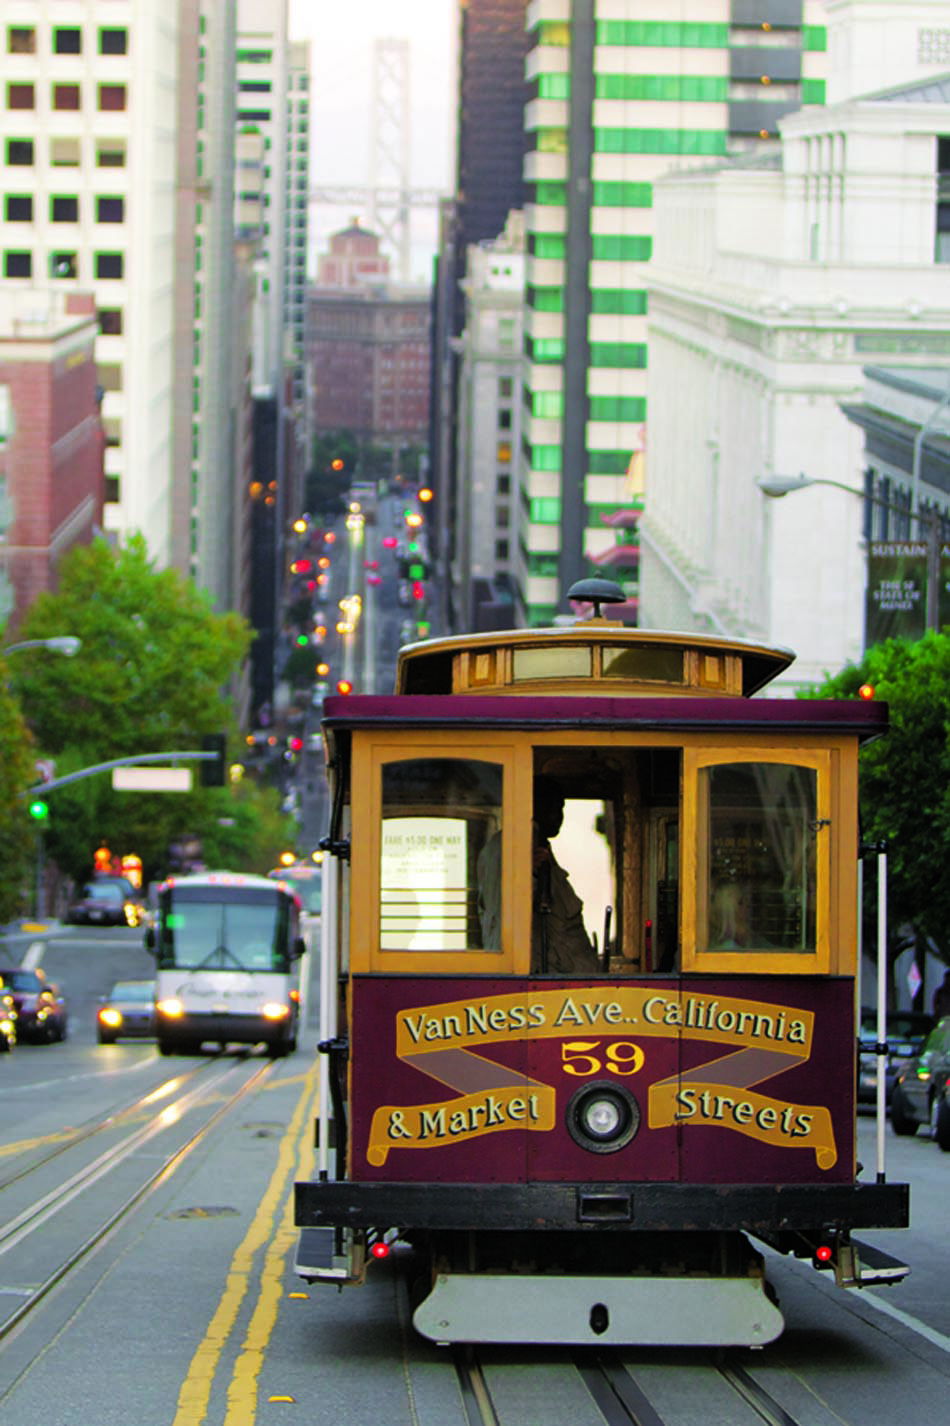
(773, 284)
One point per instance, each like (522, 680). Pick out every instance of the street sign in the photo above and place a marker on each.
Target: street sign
(151, 779)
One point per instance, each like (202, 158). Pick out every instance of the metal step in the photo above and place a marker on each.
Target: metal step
(316, 1258)
(876, 1266)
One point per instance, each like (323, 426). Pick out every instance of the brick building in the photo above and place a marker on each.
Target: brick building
(51, 442)
(368, 345)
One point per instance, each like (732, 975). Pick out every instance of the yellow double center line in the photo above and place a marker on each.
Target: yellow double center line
(294, 1159)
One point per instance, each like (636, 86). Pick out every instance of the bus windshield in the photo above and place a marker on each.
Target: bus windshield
(224, 928)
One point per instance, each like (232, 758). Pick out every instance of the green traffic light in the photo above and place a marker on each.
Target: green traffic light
(39, 810)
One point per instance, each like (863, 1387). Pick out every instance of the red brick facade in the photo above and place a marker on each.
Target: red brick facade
(51, 462)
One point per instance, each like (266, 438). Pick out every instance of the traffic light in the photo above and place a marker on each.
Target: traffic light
(213, 769)
(39, 810)
(344, 686)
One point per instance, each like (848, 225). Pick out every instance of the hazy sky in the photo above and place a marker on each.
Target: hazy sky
(341, 34)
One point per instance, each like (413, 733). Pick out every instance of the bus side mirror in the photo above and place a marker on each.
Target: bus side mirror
(299, 948)
(148, 940)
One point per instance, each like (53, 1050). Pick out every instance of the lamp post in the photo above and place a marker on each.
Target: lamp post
(777, 486)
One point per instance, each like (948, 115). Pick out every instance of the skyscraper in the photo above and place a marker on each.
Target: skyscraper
(616, 100)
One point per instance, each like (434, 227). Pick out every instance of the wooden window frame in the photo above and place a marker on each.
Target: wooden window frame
(694, 849)
(371, 754)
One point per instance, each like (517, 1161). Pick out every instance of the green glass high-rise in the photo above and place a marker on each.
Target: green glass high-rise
(622, 90)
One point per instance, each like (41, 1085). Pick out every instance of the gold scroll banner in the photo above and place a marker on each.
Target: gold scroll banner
(764, 1039)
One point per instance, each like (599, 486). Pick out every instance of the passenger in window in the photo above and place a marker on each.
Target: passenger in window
(559, 940)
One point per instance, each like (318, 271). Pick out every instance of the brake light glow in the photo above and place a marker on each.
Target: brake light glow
(380, 1250)
(824, 1254)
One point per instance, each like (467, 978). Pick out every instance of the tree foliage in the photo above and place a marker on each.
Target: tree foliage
(17, 836)
(905, 777)
(153, 675)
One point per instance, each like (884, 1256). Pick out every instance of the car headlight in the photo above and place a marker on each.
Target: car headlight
(172, 1008)
(273, 1010)
(110, 1017)
(603, 1117)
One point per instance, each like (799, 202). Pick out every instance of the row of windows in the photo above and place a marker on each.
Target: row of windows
(65, 153)
(549, 405)
(552, 193)
(105, 265)
(662, 141)
(605, 247)
(67, 97)
(67, 39)
(63, 208)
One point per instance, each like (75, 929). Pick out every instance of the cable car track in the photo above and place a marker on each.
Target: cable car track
(71, 1137)
(613, 1386)
(19, 1228)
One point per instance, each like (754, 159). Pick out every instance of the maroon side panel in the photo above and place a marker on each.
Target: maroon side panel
(731, 1079)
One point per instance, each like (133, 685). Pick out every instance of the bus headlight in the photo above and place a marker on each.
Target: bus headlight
(603, 1117)
(274, 1011)
(172, 1008)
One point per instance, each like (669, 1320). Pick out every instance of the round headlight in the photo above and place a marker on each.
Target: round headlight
(603, 1117)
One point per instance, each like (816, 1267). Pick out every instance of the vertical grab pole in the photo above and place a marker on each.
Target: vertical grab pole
(881, 1006)
(328, 1016)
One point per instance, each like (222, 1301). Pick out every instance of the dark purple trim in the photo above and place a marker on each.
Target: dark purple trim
(864, 719)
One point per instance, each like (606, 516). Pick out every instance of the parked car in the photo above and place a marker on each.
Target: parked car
(40, 1008)
(906, 1032)
(107, 901)
(920, 1091)
(7, 1019)
(127, 1012)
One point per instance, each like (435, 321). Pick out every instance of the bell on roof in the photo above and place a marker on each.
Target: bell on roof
(597, 592)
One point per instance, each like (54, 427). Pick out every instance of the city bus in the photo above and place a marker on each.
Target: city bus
(227, 948)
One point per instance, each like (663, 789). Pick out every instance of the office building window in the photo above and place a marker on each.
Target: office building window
(110, 265)
(18, 208)
(20, 153)
(113, 41)
(63, 265)
(67, 40)
(501, 549)
(503, 483)
(110, 210)
(110, 153)
(64, 153)
(63, 209)
(112, 431)
(21, 39)
(110, 321)
(21, 96)
(66, 96)
(112, 495)
(111, 97)
(110, 376)
(17, 264)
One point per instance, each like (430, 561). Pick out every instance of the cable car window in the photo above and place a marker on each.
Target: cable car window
(438, 815)
(654, 665)
(551, 663)
(761, 859)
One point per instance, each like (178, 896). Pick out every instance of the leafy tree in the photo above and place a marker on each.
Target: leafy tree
(152, 676)
(17, 772)
(905, 779)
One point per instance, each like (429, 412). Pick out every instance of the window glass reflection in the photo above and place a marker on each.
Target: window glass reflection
(761, 859)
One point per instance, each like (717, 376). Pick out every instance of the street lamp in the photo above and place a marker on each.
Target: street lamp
(777, 486)
(66, 644)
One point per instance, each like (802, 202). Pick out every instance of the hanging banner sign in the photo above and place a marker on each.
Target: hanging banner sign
(896, 602)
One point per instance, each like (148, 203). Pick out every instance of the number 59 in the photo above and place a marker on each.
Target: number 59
(622, 1056)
